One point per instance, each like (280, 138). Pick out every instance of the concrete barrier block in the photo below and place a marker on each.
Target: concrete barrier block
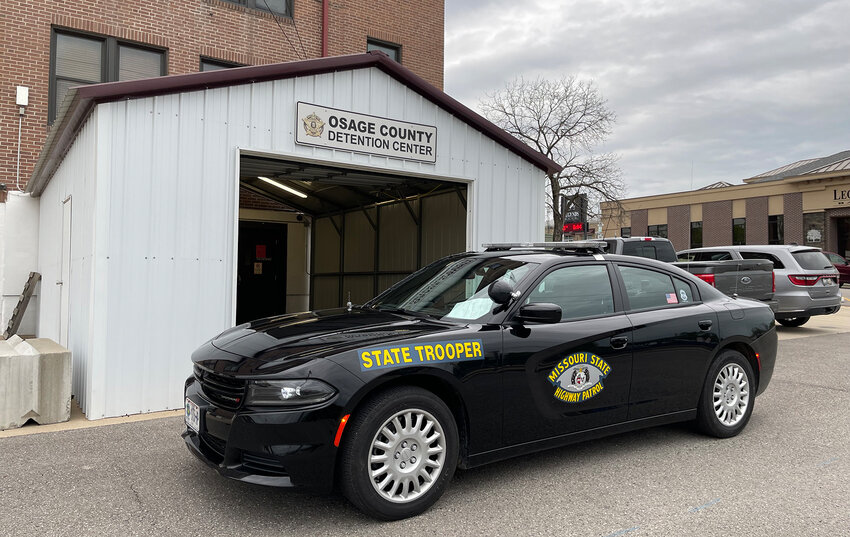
(35, 382)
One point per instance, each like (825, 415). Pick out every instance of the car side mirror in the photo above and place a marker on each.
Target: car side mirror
(540, 312)
(501, 292)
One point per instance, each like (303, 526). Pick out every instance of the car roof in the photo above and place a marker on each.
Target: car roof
(537, 255)
(636, 238)
(745, 247)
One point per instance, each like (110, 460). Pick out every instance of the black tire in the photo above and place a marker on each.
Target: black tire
(720, 423)
(793, 322)
(367, 427)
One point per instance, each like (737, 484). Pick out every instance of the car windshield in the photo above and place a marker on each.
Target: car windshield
(812, 260)
(454, 288)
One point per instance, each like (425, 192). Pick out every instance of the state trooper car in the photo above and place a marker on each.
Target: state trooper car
(476, 358)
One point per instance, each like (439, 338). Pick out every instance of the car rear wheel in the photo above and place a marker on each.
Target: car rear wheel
(728, 395)
(399, 454)
(793, 322)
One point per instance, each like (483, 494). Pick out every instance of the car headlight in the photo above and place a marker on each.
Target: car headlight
(299, 392)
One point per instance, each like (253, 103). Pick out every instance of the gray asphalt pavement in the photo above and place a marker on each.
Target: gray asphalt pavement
(788, 473)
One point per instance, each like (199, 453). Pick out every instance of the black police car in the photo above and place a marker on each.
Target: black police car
(475, 358)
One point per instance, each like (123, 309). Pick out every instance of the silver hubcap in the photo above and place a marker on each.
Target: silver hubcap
(731, 394)
(407, 455)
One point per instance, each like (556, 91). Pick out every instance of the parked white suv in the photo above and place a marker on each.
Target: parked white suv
(806, 281)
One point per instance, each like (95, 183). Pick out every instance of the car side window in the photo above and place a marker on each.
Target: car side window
(684, 292)
(580, 290)
(650, 289)
(711, 256)
(777, 264)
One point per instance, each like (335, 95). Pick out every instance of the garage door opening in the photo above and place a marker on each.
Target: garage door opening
(344, 234)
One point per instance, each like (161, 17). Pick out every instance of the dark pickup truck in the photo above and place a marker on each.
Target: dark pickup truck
(750, 278)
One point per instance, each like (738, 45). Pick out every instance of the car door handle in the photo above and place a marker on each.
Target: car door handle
(705, 325)
(619, 342)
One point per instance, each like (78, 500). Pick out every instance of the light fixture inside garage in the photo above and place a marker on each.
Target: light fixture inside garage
(282, 186)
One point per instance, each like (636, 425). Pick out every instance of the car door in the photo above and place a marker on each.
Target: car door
(573, 375)
(674, 336)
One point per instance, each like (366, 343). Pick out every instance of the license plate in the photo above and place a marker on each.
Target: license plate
(193, 415)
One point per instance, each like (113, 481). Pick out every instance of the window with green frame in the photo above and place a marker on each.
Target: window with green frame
(739, 231)
(776, 229)
(696, 234)
(657, 231)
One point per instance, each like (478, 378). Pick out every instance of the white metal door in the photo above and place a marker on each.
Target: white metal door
(65, 276)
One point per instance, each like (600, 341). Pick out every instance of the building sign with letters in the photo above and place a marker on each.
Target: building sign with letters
(339, 129)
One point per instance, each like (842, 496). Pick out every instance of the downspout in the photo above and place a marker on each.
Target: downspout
(325, 28)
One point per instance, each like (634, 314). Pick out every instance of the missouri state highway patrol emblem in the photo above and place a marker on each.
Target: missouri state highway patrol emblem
(578, 377)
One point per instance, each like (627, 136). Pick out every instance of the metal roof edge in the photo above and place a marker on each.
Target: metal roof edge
(72, 117)
(73, 114)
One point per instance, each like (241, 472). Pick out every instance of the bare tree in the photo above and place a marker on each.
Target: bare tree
(565, 120)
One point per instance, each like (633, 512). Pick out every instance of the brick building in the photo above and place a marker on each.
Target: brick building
(805, 202)
(50, 46)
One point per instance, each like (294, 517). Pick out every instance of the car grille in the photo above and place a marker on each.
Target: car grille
(263, 465)
(224, 391)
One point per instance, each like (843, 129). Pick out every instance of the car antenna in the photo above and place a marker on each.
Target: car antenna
(348, 305)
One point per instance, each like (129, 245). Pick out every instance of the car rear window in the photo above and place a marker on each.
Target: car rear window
(660, 250)
(812, 260)
(777, 264)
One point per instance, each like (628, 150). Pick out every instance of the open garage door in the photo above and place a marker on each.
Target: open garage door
(364, 231)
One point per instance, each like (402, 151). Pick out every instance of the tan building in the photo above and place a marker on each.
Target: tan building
(805, 202)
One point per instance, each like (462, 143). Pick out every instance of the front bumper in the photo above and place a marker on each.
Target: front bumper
(280, 448)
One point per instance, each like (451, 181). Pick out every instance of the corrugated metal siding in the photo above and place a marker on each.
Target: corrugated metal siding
(397, 240)
(359, 242)
(165, 207)
(76, 178)
(443, 223)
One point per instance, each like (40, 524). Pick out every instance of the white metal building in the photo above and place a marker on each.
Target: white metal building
(142, 230)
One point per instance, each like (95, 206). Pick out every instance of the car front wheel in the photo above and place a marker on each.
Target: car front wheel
(399, 454)
(793, 322)
(728, 395)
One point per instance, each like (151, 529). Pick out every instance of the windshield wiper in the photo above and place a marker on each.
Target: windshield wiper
(396, 309)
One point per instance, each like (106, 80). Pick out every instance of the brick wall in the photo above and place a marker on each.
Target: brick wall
(757, 220)
(793, 220)
(251, 200)
(831, 235)
(189, 29)
(639, 222)
(717, 223)
(679, 226)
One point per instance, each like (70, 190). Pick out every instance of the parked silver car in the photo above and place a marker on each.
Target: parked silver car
(806, 281)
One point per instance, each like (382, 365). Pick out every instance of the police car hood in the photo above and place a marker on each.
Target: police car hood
(287, 339)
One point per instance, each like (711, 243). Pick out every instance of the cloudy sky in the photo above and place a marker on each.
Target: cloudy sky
(727, 89)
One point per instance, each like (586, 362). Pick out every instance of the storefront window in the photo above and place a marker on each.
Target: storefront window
(625, 232)
(696, 234)
(657, 231)
(739, 231)
(776, 229)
